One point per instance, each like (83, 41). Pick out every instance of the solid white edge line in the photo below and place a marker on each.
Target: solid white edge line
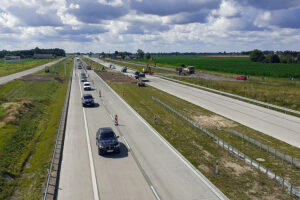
(94, 182)
(207, 182)
(153, 190)
(126, 142)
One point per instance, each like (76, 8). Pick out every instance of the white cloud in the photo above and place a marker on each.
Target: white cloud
(153, 25)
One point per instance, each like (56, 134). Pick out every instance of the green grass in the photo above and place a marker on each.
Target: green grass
(26, 146)
(7, 68)
(236, 65)
(202, 152)
(281, 93)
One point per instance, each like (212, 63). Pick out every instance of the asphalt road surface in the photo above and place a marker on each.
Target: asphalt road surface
(11, 77)
(276, 124)
(147, 167)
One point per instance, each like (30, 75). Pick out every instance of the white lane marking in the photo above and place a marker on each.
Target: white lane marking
(156, 195)
(212, 187)
(126, 142)
(94, 181)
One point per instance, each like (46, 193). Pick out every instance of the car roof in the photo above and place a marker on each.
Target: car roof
(86, 82)
(105, 130)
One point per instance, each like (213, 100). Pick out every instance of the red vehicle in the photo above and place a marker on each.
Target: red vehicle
(241, 77)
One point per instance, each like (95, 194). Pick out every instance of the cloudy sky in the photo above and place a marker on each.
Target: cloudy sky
(152, 25)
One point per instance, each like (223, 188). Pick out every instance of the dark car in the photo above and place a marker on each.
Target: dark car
(88, 67)
(83, 79)
(87, 100)
(142, 75)
(124, 69)
(107, 141)
(79, 67)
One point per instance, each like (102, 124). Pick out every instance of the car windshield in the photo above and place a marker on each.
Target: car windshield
(107, 135)
(86, 84)
(88, 97)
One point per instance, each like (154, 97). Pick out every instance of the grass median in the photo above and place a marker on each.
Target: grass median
(236, 180)
(139, 68)
(28, 130)
(7, 68)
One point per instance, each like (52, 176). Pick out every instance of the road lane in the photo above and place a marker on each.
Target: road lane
(117, 176)
(11, 77)
(276, 124)
(171, 175)
(75, 176)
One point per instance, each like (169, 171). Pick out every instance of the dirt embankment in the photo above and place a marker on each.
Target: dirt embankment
(116, 77)
(40, 78)
(214, 121)
(14, 111)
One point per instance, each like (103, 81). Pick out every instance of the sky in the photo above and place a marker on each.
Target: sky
(150, 25)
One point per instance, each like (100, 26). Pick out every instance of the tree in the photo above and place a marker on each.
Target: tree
(147, 56)
(275, 58)
(37, 50)
(140, 53)
(256, 56)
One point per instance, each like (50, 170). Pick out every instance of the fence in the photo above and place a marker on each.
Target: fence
(247, 160)
(54, 170)
(268, 149)
(268, 105)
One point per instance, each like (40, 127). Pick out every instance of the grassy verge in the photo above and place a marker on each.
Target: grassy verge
(237, 181)
(92, 63)
(7, 68)
(26, 142)
(287, 96)
(139, 68)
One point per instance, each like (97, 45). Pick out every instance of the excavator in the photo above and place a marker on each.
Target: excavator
(148, 68)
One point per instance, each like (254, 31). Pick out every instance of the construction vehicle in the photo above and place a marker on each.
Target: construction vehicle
(148, 68)
(185, 70)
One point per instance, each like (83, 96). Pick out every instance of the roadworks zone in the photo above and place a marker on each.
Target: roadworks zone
(199, 149)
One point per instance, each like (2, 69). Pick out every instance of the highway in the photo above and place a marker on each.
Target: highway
(276, 124)
(148, 167)
(11, 77)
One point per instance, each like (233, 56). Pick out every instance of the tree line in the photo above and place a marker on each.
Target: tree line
(31, 52)
(275, 57)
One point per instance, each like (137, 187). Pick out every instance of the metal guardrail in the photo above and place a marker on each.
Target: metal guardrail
(247, 160)
(277, 154)
(54, 170)
(268, 105)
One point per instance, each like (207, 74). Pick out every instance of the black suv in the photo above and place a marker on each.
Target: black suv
(87, 100)
(107, 141)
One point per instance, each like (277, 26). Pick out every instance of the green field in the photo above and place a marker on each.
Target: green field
(30, 116)
(236, 65)
(7, 68)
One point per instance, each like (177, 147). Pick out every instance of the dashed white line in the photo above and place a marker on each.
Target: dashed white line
(155, 193)
(94, 182)
(212, 187)
(126, 142)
